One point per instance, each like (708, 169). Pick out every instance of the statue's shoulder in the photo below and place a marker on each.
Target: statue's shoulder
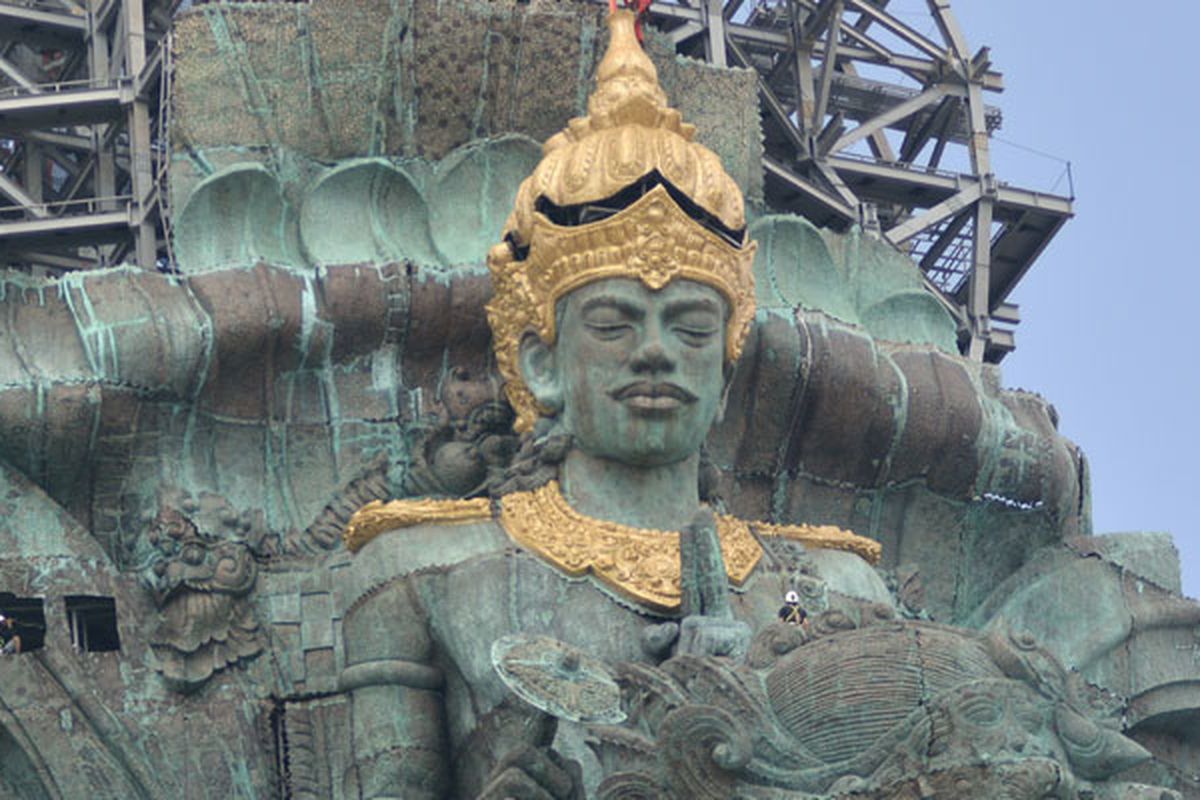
(378, 517)
(843, 560)
(823, 537)
(391, 543)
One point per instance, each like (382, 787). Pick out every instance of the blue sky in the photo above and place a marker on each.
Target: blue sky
(1107, 311)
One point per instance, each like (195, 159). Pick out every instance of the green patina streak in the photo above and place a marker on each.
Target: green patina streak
(192, 408)
(898, 401)
(389, 50)
(232, 48)
(98, 338)
(477, 126)
(404, 92)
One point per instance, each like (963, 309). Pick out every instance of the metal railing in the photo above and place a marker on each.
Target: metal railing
(905, 165)
(163, 161)
(62, 87)
(44, 5)
(864, 158)
(71, 208)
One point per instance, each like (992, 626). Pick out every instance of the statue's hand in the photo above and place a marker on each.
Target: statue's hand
(535, 773)
(701, 635)
(708, 629)
(657, 640)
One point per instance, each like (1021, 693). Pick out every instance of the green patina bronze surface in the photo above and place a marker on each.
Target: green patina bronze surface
(339, 171)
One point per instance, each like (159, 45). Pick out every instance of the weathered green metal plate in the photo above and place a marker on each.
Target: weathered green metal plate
(557, 678)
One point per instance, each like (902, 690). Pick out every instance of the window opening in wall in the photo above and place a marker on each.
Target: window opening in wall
(28, 615)
(93, 622)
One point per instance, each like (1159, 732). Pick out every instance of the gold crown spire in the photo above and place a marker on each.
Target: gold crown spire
(629, 133)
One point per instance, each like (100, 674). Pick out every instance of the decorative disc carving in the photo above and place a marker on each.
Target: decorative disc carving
(558, 679)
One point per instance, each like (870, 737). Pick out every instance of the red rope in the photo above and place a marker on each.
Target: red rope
(641, 7)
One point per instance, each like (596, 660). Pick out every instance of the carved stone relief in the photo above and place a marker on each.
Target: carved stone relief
(851, 706)
(201, 578)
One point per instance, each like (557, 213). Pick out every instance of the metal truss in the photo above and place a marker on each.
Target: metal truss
(83, 132)
(866, 121)
(863, 116)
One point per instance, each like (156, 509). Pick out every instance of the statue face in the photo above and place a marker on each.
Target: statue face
(638, 373)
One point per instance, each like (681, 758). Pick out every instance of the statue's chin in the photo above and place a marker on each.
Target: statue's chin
(649, 433)
(652, 458)
(644, 448)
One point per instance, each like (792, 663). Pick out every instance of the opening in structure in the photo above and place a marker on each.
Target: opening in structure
(93, 622)
(28, 615)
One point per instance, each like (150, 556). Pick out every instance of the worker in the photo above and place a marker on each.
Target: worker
(8, 636)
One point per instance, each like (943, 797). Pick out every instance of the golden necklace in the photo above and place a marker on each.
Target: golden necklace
(639, 563)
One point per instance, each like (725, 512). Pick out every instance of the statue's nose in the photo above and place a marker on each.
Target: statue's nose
(651, 357)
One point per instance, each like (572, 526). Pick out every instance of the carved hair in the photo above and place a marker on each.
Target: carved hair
(536, 463)
(540, 458)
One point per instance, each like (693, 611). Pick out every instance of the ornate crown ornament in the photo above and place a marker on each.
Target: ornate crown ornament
(630, 138)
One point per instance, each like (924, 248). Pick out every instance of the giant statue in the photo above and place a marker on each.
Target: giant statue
(623, 295)
(594, 625)
(462, 454)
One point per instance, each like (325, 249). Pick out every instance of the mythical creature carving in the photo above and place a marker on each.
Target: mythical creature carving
(470, 442)
(873, 707)
(201, 578)
(465, 442)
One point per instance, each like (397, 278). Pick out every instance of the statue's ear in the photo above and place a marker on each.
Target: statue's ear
(540, 371)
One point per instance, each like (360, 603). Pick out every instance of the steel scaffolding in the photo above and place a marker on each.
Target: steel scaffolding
(866, 121)
(82, 133)
(860, 113)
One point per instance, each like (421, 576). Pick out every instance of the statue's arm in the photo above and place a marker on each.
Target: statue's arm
(398, 715)
(869, 414)
(112, 341)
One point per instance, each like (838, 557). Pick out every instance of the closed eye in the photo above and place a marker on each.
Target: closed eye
(696, 336)
(608, 331)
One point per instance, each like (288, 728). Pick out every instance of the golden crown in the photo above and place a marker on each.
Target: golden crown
(630, 136)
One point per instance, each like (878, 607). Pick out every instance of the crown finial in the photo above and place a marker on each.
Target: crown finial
(627, 90)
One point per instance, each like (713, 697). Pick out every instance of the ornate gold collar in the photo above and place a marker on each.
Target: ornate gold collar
(640, 564)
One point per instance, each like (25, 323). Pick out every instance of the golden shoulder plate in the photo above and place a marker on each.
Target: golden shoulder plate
(641, 564)
(828, 537)
(377, 517)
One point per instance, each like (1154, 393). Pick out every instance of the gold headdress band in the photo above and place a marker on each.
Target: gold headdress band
(630, 132)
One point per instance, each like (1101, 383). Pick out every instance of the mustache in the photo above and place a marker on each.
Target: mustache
(652, 389)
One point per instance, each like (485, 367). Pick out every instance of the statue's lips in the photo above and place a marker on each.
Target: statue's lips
(653, 396)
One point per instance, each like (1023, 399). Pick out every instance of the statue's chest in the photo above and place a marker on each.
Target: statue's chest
(473, 603)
